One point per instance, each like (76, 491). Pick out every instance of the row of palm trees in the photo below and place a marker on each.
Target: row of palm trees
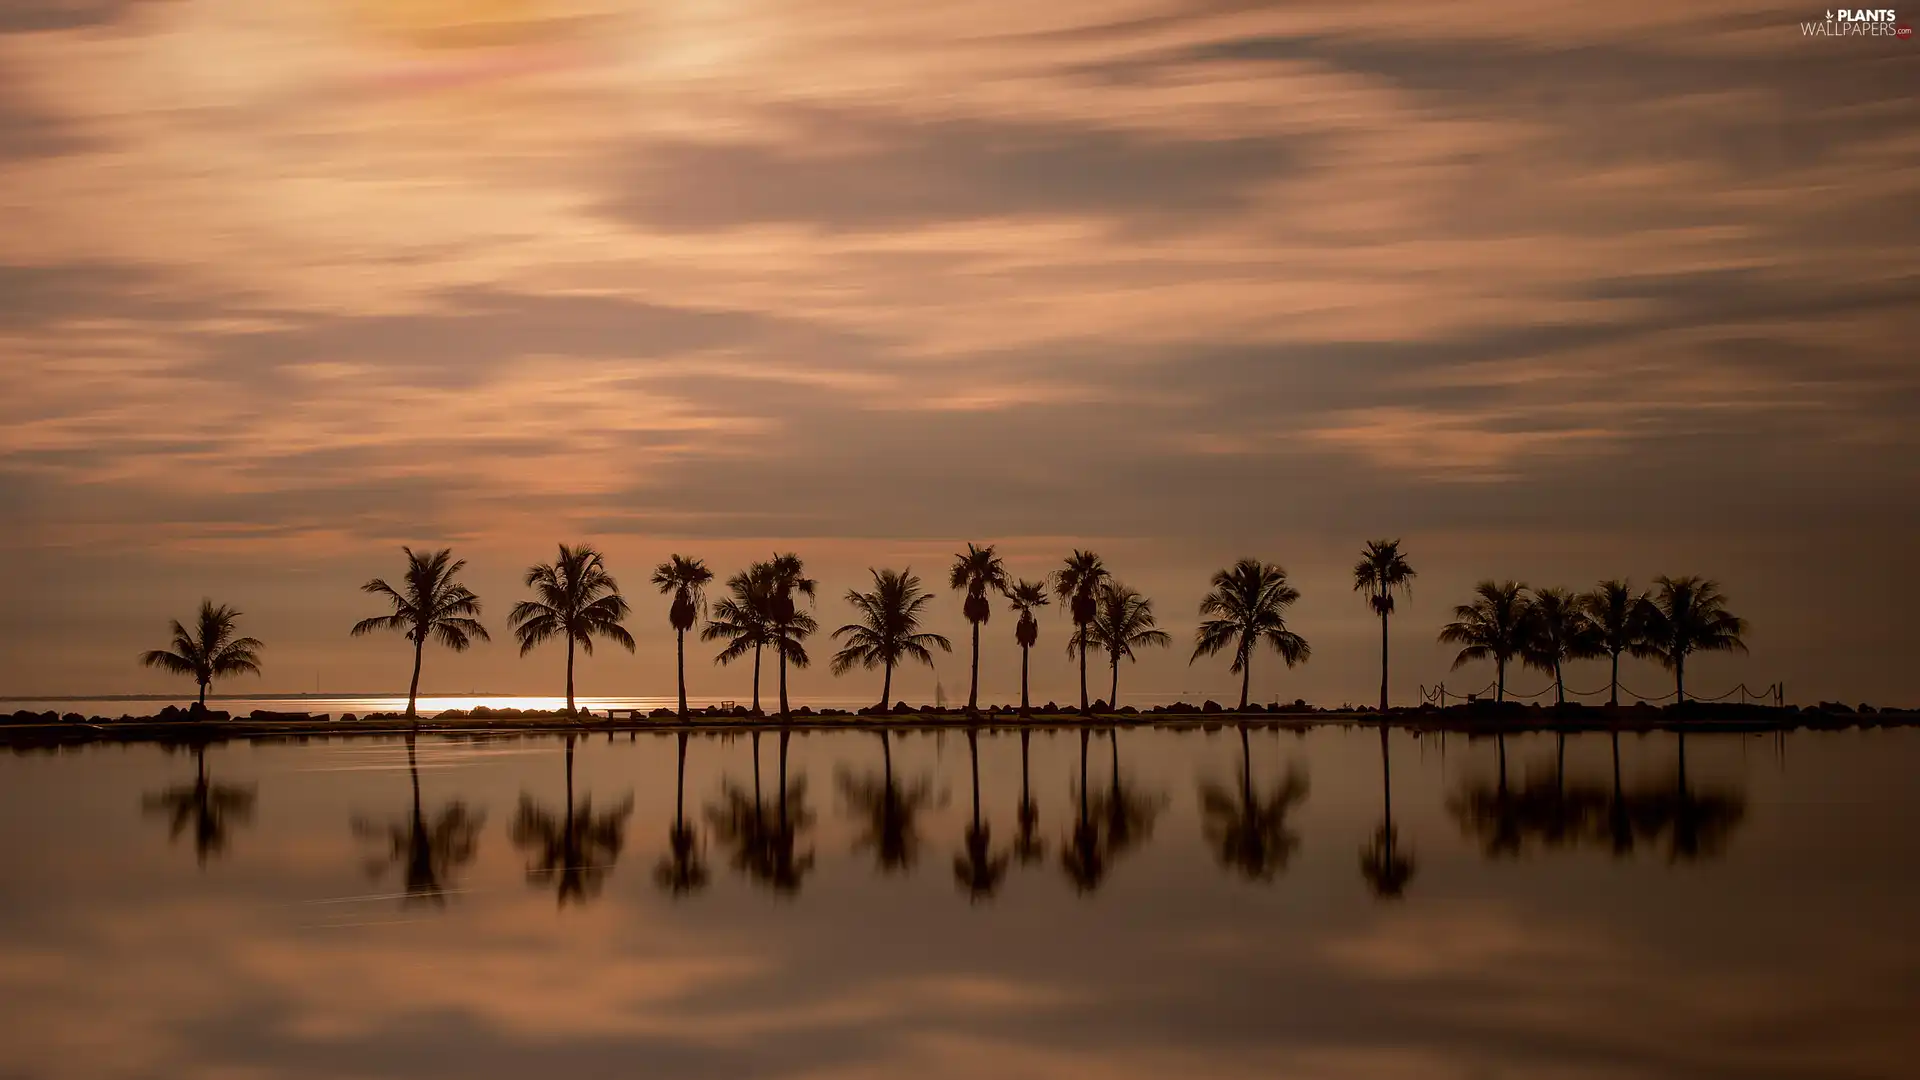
(576, 600)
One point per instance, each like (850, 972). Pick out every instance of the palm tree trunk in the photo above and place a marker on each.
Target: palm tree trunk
(1500, 680)
(680, 785)
(973, 756)
(1082, 632)
(756, 679)
(783, 684)
(1613, 697)
(1386, 780)
(1383, 663)
(570, 710)
(973, 687)
(886, 687)
(680, 651)
(203, 695)
(1026, 709)
(1680, 679)
(1113, 696)
(413, 690)
(1559, 685)
(1246, 678)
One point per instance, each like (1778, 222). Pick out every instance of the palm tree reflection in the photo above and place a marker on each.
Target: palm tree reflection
(978, 869)
(572, 851)
(428, 849)
(1384, 866)
(1248, 831)
(1083, 857)
(682, 871)
(765, 840)
(1028, 845)
(208, 810)
(890, 811)
(1110, 825)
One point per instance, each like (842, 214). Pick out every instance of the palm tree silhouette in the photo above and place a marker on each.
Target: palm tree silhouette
(1122, 622)
(1701, 823)
(208, 652)
(1129, 814)
(789, 625)
(978, 869)
(1026, 596)
(1619, 617)
(209, 810)
(1689, 615)
(1028, 846)
(573, 850)
(430, 604)
(889, 628)
(681, 871)
(765, 841)
(890, 811)
(686, 581)
(1557, 630)
(1380, 571)
(428, 848)
(1077, 584)
(1248, 604)
(745, 619)
(576, 599)
(1385, 868)
(1083, 856)
(1246, 831)
(976, 571)
(1493, 627)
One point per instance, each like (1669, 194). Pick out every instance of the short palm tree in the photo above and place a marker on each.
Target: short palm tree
(790, 626)
(1248, 604)
(976, 571)
(1689, 615)
(1077, 584)
(744, 618)
(576, 599)
(889, 628)
(1557, 630)
(1122, 622)
(1380, 572)
(1493, 627)
(429, 604)
(686, 581)
(1026, 596)
(1619, 619)
(209, 651)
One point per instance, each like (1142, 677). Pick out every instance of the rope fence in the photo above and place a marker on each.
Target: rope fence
(1773, 693)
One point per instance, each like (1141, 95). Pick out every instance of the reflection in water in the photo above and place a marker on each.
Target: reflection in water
(1082, 856)
(1110, 825)
(1246, 830)
(575, 850)
(765, 841)
(978, 869)
(428, 850)
(209, 810)
(682, 871)
(1692, 823)
(1028, 845)
(890, 811)
(1385, 867)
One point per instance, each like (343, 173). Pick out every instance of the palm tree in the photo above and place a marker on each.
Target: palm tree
(1025, 596)
(681, 871)
(1619, 617)
(1122, 622)
(978, 869)
(575, 598)
(790, 626)
(1689, 615)
(1248, 604)
(1385, 868)
(744, 619)
(1247, 831)
(430, 604)
(891, 812)
(210, 651)
(429, 850)
(686, 581)
(1380, 571)
(1557, 630)
(574, 850)
(976, 571)
(889, 628)
(209, 809)
(1492, 627)
(1077, 584)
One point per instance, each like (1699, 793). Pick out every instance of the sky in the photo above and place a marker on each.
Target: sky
(1614, 290)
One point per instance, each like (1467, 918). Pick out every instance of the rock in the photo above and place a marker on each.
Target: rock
(349, 718)
(900, 708)
(662, 714)
(1210, 706)
(1129, 710)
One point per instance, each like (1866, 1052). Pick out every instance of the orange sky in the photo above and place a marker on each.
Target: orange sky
(1625, 289)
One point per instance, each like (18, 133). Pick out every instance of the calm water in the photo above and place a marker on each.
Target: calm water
(306, 911)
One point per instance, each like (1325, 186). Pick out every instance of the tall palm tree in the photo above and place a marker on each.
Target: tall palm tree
(429, 604)
(209, 651)
(207, 808)
(889, 628)
(1122, 622)
(1385, 868)
(1246, 830)
(977, 570)
(1557, 630)
(428, 849)
(790, 626)
(686, 581)
(1248, 604)
(1492, 627)
(744, 618)
(1689, 615)
(681, 871)
(1077, 584)
(573, 850)
(1382, 569)
(575, 599)
(891, 812)
(1026, 596)
(978, 869)
(1619, 617)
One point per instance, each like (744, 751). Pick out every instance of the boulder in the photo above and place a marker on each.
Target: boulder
(1210, 706)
